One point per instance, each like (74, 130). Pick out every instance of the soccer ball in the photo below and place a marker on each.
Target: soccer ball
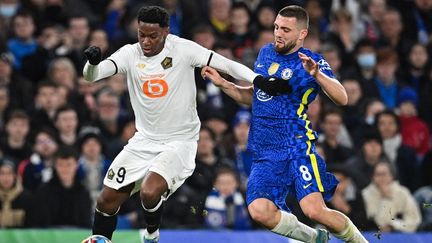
(97, 239)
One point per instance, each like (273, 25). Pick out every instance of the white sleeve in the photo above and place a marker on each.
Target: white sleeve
(235, 69)
(121, 58)
(104, 69)
(116, 63)
(200, 56)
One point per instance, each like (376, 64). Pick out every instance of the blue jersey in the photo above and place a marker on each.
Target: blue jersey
(281, 121)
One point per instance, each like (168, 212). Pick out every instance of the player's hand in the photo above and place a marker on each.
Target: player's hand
(93, 54)
(309, 64)
(272, 85)
(211, 73)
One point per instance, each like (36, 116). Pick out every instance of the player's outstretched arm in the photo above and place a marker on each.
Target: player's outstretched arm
(271, 85)
(94, 69)
(331, 86)
(240, 94)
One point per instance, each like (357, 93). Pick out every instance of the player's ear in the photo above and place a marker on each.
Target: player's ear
(303, 34)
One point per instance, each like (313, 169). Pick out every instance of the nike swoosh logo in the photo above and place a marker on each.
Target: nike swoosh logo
(260, 65)
(306, 186)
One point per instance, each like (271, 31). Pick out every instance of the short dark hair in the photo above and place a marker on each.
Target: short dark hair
(296, 12)
(63, 109)
(331, 111)
(18, 114)
(388, 112)
(154, 15)
(66, 152)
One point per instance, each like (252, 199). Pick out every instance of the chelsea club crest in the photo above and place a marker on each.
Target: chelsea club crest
(286, 73)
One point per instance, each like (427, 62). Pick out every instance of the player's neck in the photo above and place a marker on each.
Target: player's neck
(294, 50)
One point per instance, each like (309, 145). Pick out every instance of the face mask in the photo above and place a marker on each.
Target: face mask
(366, 60)
(370, 120)
(8, 10)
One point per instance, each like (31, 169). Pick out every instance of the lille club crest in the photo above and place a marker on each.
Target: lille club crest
(167, 62)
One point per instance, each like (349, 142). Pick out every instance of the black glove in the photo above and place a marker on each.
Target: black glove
(93, 54)
(272, 85)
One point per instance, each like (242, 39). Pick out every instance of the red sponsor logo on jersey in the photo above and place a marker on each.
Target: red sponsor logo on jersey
(155, 88)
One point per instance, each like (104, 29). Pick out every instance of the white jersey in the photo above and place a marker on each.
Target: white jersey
(162, 88)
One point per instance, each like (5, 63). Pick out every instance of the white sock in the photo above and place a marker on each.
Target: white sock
(289, 226)
(151, 210)
(350, 233)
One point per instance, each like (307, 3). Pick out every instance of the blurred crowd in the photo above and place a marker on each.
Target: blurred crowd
(59, 133)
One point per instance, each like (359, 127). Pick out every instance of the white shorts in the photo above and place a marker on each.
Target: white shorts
(174, 161)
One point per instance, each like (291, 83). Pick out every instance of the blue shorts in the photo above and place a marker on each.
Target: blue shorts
(298, 171)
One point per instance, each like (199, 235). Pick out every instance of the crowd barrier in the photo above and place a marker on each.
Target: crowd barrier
(189, 236)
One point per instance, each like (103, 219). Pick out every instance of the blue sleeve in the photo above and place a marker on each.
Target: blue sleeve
(259, 63)
(323, 65)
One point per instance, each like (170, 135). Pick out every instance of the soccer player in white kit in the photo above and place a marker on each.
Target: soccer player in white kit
(160, 78)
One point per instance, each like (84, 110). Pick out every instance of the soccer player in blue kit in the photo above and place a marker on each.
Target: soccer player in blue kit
(281, 138)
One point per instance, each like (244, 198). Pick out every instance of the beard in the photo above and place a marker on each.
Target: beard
(287, 48)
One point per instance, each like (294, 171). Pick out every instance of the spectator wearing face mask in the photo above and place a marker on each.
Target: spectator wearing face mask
(365, 63)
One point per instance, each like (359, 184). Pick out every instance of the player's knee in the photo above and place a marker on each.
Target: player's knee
(260, 212)
(105, 205)
(314, 212)
(150, 197)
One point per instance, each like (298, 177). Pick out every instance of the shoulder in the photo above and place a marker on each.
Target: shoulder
(317, 58)
(369, 191)
(313, 55)
(401, 189)
(267, 48)
(129, 49)
(175, 42)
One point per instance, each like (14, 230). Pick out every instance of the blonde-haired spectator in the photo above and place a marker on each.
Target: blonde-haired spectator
(62, 72)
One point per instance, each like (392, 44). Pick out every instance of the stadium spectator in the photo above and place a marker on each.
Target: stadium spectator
(4, 105)
(391, 27)
(240, 31)
(236, 147)
(46, 102)
(66, 122)
(364, 67)
(37, 168)
(418, 76)
(386, 80)
(265, 16)
(20, 89)
(23, 42)
(75, 40)
(15, 201)
(423, 197)
(390, 205)
(351, 112)
(35, 65)
(362, 163)
(108, 118)
(348, 198)
(93, 164)
(369, 109)
(225, 205)
(63, 201)
(403, 158)
(414, 131)
(371, 19)
(336, 152)
(342, 33)
(14, 144)
(219, 17)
